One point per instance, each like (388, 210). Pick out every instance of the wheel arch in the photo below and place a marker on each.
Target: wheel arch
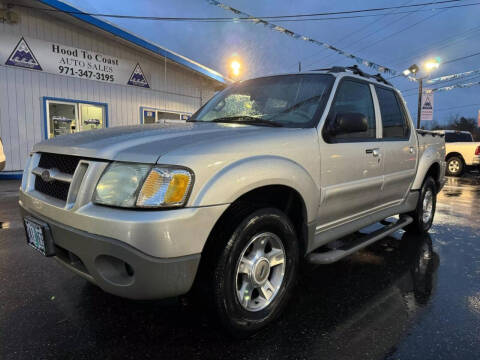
(454, 153)
(281, 197)
(432, 169)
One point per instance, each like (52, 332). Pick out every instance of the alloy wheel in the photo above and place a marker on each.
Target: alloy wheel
(427, 206)
(260, 271)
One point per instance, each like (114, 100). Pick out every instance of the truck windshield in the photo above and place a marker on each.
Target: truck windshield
(286, 100)
(458, 137)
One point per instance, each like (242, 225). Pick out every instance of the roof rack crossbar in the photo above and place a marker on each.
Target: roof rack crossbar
(380, 78)
(355, 70)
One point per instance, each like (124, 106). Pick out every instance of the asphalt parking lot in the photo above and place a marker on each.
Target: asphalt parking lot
(406, 297)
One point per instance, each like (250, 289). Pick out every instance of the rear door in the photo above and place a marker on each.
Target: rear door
(399, 144)
(351, 164)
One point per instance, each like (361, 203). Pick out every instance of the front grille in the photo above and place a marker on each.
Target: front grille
(55, 188)
(65, 163)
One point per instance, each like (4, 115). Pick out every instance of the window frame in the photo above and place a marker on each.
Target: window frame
(332, 104)
(182, 116)
(46, 112)
(403, 111)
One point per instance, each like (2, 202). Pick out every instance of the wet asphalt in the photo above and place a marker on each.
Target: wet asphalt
(405, 297)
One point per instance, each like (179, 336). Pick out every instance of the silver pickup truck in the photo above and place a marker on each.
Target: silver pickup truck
(271, 172)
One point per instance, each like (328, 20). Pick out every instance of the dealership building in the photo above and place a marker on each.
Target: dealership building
(63, 72)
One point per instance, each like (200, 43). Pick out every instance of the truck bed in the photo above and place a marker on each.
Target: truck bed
(427, 139)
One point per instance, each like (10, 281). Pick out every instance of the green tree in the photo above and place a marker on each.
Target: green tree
(462, 123)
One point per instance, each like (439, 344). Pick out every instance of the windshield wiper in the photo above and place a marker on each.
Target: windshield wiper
(297, 105)
(249, 120)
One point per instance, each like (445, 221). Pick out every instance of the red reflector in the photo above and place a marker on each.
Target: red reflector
(477, 150)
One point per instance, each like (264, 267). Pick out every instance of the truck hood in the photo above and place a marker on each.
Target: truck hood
(142, 143)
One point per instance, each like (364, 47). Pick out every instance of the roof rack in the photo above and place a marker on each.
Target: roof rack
(356, 70)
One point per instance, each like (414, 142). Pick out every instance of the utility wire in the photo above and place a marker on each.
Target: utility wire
(444, 63)
(462, 36)
(356, 32)
(286, 18)
(297, 36)
(460, 58)
(458, 107)
(397, 32)
(440, 45)
(349, 35)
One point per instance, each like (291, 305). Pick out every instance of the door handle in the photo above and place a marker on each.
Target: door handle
(411, 149)
(375, 152)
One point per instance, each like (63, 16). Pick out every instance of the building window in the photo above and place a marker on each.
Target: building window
(154, 116)
(71, 116)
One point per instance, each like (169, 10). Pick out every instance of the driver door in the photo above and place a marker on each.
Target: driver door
(351, 163)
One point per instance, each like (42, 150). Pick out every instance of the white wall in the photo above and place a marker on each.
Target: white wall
(173, 87)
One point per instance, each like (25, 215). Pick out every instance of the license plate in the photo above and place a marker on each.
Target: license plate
(38, 236)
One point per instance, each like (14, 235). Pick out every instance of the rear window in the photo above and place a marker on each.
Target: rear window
(458, 137)
(394, 121)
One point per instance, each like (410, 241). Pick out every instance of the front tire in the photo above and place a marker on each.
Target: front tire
(455, 166)
(425, 210)
(255, 273)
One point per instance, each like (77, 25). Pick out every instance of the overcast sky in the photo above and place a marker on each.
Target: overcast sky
(397, 40)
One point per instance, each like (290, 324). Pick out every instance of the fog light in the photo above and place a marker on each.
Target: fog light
(115, 270)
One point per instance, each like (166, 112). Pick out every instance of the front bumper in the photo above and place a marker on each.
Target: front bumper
(118, 268)
(161, 234)
(134, 253)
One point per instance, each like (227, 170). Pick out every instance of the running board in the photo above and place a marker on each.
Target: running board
(355, 245)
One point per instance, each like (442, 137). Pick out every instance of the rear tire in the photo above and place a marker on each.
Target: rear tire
(455, 166)
(255, 272)
(425, 210)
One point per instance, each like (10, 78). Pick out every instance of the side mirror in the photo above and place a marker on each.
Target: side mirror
(346, 123)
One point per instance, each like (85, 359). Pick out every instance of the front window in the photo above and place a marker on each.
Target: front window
(356, 98)
(288, 100)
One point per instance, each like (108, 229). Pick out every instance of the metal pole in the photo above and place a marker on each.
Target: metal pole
(299, 66)
(419, 110)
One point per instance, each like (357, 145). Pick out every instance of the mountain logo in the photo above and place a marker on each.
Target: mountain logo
(427, 105)
(23, 56)
(138, 78)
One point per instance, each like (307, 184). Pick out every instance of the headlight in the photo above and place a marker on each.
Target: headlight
(119, 184)
(130, 185)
